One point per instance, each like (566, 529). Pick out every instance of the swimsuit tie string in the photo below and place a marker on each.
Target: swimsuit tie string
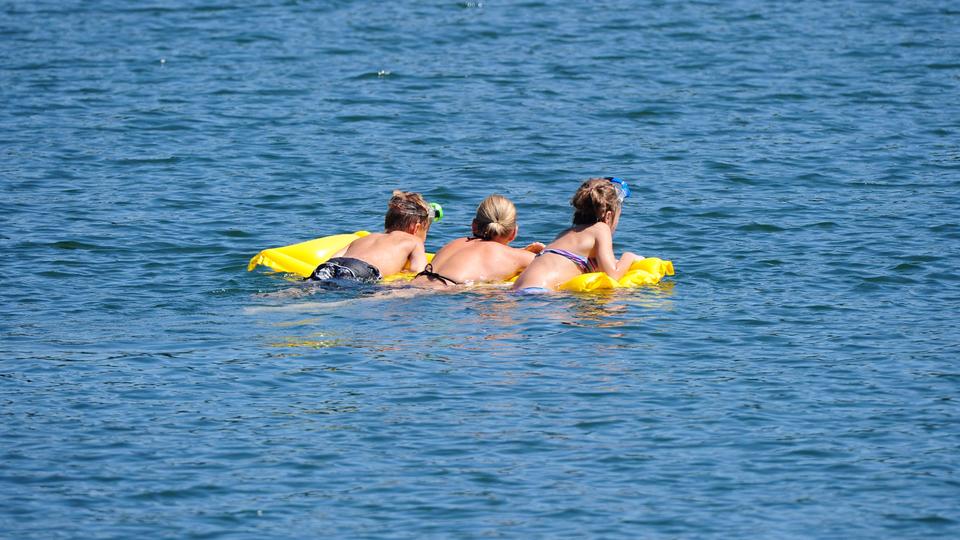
(428, 271)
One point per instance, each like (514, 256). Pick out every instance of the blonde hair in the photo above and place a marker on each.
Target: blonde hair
(496, 217)
(593, 200)
(405, 210)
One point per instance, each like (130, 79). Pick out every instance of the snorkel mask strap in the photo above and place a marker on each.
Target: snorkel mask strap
(623, 190)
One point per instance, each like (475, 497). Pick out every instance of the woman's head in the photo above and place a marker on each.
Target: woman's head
(496, 219)
(597, 200)
(405, 211)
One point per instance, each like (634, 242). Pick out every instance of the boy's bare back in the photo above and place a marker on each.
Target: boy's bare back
(390, 252)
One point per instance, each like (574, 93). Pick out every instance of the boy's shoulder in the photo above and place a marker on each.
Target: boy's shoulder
(403, 238)
(390, 237)
(400, 235)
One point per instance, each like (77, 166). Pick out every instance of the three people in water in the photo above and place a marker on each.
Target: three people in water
(486, 255)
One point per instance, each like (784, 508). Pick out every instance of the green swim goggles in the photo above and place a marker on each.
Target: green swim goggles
(436, 212)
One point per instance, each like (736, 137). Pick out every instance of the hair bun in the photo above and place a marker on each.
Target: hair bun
(496, 217)
(593, 200)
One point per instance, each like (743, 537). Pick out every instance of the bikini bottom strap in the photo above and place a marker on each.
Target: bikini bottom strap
(428, 271)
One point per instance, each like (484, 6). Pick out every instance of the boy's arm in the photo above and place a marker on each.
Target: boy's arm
(417, 258)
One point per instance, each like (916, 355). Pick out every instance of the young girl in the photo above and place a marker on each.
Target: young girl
(485, 256)
(399, 247)
(585, 247)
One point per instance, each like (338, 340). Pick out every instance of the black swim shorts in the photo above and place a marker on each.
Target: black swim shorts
(346, 268)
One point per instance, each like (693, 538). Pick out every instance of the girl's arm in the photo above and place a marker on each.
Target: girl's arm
(606, 260)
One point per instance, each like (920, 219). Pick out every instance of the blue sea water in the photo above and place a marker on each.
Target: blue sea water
(799, 162)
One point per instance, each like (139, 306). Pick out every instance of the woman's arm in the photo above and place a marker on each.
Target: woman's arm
(523, 257)
(606, 260)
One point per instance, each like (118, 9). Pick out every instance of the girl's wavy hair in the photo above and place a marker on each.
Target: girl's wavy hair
(405, 210)
(496, 217)
(591, 202)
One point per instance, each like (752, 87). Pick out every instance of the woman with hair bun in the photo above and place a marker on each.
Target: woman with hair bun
(486, 256)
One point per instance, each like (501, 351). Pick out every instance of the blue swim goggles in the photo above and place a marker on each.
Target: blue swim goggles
(623, 190)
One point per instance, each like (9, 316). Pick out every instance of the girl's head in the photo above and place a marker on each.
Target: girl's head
(598, 199)
(496, 219)
(408, 212)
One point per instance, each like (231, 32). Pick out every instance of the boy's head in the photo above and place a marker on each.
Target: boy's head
(599, 199)
(405, 211)
(496, 218)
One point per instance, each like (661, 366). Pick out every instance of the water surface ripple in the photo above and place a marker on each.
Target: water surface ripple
(797, 378)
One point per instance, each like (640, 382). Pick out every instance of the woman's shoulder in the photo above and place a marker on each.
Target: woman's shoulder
(487, 250)
(579, 233)
(454, 245)
(599, 226)
(599, 230)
